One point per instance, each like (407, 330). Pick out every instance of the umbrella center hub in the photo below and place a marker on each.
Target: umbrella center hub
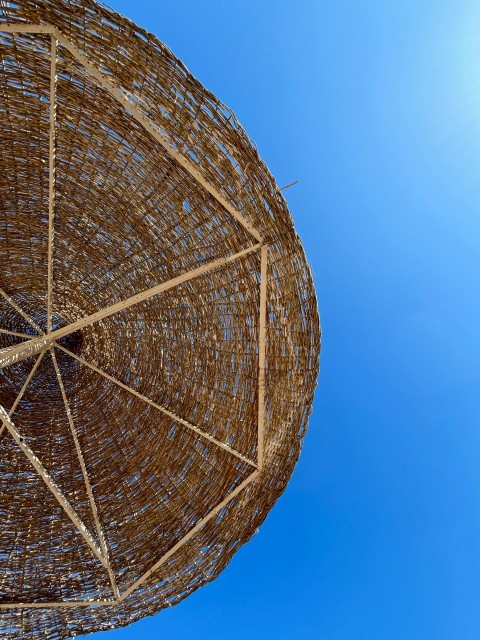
(73, 342)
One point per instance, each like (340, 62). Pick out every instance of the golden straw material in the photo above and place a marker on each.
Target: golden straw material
(159, 334)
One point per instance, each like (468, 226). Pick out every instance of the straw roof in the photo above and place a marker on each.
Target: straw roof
(159, 334)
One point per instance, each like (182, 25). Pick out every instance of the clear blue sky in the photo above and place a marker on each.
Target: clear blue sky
(375, 107)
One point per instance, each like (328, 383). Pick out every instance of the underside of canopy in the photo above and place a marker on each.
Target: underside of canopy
(159, 334)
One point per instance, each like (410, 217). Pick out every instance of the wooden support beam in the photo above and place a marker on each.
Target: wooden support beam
(86, 479)
(51, 177)
(51, 484)
(21, 27)
(19, 352)
(262, 354)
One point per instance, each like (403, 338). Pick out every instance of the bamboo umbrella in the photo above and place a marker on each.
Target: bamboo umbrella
(159, 334)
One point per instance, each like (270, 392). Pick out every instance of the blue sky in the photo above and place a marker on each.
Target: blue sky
(375, 107)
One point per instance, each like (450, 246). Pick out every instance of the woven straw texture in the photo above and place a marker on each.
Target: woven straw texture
(169, 426)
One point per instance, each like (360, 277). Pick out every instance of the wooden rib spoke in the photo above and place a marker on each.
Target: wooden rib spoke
(16, 334)
(25, 385)
(25, 316)
(51, 484)
(14, 354)
(168, 413)
(86, 479)
(28, 349)
(23, 389)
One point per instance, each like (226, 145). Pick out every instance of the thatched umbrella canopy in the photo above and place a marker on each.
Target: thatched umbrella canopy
(159, 332)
